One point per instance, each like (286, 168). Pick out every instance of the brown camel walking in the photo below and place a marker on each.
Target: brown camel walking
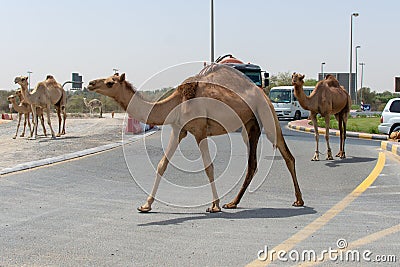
(326, 99)
(216, 101)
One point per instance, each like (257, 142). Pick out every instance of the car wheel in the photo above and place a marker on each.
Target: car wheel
(297, 115)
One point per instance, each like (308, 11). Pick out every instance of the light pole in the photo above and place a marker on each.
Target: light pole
(351, 49)
(115, 70)
(212, 31)
(322, 70)
(362, 64)
(357, 47)
(29, 80)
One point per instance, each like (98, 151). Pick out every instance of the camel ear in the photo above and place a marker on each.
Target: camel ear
(302, 76)
(122, 77)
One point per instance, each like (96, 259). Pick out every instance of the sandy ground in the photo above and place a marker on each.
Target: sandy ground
(81, 133)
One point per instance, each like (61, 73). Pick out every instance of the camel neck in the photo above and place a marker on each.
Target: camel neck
(301, 96)
(148, 112)
(25, 93)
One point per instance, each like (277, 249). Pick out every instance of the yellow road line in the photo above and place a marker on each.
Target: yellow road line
(362, 241)
(327, 216)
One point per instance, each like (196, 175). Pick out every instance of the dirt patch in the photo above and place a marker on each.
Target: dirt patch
(81, 133)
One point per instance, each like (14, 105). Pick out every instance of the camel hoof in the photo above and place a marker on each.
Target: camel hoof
(213, 210)
(143, 209)
(58, 135)
(22, 135)
(298, 203)
(315, 159)
(329, 158)
(32, 138)
(14, 137)
(230, 206)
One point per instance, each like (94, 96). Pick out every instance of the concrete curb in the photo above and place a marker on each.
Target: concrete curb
(391, 147)
(337, 133)
(69, 156)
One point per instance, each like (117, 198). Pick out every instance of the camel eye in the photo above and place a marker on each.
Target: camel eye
(110, 84)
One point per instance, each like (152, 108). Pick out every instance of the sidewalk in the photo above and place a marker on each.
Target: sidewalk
(302, 125)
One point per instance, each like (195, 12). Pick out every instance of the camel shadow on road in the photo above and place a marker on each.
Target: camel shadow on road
(339, 162)
(261, 213)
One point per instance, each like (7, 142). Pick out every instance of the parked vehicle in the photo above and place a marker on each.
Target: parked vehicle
(390, 119)
(286, 104)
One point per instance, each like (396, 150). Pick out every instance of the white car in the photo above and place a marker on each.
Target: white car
(390, 120)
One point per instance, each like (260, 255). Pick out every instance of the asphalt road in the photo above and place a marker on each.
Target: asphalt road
(83, 212)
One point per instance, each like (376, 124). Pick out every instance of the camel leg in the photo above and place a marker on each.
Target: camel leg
(29, 123)
(23, 131)
(316, 133)
(35, 123)
(251, 139)
(290, 163)
(340, 124)
(19, 121)
(64, 112)
(209, 169)
(49, 122)
(329, 153)
(42, 122)
(344, 121)
(59, 120)
(174, 140)
(101, 112)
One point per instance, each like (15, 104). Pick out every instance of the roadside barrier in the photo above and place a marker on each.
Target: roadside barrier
(133, 126)
(5, 116)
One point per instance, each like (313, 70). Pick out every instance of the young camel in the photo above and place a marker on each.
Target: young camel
(39, 98)
(23, 109)
(197, 107)
(39, 111)
(92, 104)
(327, 98)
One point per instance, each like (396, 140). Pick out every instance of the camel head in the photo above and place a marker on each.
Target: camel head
(11, 98)
(109, 86)
(297, 79)
(21, 80)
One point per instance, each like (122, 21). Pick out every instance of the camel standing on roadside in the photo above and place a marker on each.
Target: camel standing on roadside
(328, 98)
(39, 111)
(92, 104)
(39, 97)
(58, 98)
(216, 101)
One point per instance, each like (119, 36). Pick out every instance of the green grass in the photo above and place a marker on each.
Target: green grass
(360, 124)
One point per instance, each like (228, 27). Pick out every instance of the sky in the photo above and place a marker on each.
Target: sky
(142, 38)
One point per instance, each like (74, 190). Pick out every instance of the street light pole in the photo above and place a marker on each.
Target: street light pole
(322, 70)
(357, 47)
(351, 49)
(212, 31)
(362, 77)
(29, 80)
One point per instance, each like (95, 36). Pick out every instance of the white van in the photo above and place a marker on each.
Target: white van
(286, 104)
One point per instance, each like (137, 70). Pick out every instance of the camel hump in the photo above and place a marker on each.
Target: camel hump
(188, 88)
(332, 81)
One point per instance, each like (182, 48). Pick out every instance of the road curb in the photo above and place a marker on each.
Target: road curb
(391, 147)
(292, 125)
(73, 155)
